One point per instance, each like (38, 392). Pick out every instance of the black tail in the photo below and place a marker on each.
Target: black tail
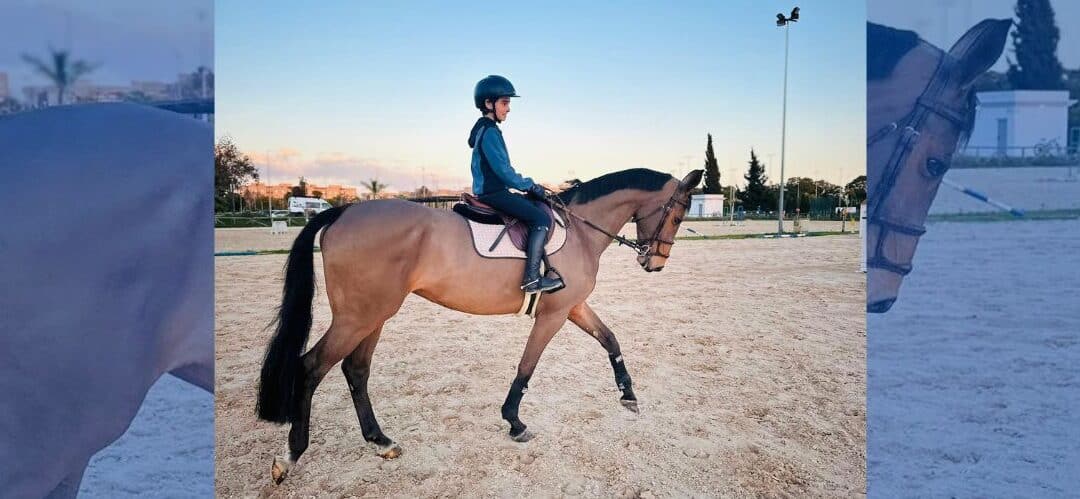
(282, 378)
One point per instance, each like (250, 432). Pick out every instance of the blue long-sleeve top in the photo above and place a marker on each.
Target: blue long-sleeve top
(491, 170)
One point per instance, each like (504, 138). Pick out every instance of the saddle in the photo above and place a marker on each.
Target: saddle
(492, 228)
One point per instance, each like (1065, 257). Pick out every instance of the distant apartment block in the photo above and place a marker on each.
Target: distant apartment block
(279, 191)
(195, 85)
(4, 90)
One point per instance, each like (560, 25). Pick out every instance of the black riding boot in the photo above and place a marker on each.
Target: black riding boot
(534, 252)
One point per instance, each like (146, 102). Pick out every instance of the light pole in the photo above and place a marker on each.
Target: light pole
(784, 22)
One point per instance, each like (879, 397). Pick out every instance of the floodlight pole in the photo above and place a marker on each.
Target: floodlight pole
(783, 136)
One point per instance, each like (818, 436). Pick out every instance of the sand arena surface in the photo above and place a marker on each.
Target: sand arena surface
(748, 357)
(973, 373)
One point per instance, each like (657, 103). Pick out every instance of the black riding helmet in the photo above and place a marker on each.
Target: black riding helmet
(492, 88)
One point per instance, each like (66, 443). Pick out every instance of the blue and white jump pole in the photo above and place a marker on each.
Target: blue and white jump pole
(1016, 212)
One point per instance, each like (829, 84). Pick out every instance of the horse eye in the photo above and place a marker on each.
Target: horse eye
(678, 220)
(936, 167)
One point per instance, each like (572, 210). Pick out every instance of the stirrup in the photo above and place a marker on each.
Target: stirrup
(553, 285)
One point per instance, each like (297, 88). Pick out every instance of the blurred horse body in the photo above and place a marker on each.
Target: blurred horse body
(107, 258)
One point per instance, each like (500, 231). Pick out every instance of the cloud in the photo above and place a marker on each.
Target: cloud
(287, 165)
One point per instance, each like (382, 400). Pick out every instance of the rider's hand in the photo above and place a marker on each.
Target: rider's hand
(537, 191)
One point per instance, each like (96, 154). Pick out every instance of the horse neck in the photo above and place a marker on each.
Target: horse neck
(610, 212)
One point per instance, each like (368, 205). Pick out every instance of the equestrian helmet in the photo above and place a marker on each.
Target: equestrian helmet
(493, 87)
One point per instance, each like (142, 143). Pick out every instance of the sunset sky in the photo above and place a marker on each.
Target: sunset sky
(344, 92)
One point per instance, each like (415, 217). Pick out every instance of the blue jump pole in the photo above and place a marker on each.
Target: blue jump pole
(1016, 212)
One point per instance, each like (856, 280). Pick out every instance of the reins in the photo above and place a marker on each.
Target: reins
(643, 249)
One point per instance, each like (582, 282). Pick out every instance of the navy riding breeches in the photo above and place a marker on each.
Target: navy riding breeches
(517, 206)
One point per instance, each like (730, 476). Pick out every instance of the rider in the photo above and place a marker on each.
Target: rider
(493, 176)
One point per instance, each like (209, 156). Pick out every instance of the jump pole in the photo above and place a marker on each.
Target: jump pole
(984, 198)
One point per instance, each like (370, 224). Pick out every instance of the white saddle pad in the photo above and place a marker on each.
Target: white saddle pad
(484, 235)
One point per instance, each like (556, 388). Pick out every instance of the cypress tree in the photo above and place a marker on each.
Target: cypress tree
(1035, 42)
(712, 170)
(755, 194)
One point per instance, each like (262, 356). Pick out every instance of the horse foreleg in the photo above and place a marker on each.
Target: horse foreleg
(357, 368)
(586, 319)
(543, 330)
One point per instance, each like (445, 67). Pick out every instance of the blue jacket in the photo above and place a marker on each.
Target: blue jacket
(491, 170)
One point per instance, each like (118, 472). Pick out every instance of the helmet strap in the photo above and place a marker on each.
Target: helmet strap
(494, 115)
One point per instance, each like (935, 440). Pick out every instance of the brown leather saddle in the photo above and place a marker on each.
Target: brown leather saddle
(473, 209)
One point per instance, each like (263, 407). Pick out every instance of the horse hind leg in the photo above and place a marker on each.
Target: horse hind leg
(357, 368)
(317, 362)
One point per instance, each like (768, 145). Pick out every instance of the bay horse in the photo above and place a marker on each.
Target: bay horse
(920, 108)
(378, 252)
(108, 272)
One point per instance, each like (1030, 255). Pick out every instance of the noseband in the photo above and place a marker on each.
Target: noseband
(929, 102)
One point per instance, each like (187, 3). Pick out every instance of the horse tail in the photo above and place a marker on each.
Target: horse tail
(282, 379)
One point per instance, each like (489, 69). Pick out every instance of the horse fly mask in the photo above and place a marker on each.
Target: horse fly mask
(929, 102)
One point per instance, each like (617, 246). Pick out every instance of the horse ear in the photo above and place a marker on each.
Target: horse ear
(691, 180)
(980, 48)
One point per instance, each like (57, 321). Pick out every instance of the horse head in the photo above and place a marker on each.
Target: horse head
(658, 219)
(920, 108)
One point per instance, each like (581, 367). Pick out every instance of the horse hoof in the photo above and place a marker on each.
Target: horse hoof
(630, 404)
(279, 469)
(389, 451)
(524, 436)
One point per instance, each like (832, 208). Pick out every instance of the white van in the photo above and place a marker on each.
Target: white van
(307, 206)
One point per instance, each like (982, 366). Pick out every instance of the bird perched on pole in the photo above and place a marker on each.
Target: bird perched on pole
(781, 20)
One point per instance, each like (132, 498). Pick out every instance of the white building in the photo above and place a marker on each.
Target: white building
(1015, 122)
(706, 205)
(4, 90)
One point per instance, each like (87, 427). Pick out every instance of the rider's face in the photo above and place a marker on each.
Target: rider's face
(502, 108)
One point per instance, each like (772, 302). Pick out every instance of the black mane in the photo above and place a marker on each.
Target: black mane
(635, 178)
(885, 47)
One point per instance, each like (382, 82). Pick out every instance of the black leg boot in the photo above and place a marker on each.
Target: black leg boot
(534, 252)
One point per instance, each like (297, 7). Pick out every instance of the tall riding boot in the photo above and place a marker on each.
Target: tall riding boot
(534, 252)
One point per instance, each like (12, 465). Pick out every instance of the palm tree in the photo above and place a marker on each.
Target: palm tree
(61, 69)
(374, 187)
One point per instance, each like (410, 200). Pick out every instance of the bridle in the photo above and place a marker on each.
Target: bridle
(928, 103)
(655, 239)
(644, 248)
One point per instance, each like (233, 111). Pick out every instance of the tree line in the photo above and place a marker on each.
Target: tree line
(802, 193)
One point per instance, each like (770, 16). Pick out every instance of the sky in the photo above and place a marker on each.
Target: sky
(341, 92)
(943, 22)
(131, 39)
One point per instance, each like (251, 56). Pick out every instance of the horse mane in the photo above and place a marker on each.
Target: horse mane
(889, 45)
(634, 178)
